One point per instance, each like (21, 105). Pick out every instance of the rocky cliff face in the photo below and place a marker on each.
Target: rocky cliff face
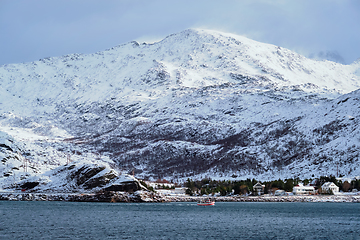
(80, 176)
(198, 103)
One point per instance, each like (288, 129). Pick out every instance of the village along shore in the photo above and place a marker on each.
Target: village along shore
(151, 197)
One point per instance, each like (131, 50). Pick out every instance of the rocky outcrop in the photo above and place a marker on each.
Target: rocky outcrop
(81, 177)
(130, 186)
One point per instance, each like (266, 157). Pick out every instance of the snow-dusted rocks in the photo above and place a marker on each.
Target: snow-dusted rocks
(81, 176)
(198, 103)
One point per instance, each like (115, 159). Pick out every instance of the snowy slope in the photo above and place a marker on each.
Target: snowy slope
(198, 103)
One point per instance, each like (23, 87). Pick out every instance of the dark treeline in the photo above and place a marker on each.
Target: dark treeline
(243, 187)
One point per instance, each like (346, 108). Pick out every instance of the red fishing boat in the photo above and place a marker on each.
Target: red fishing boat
(208, 202)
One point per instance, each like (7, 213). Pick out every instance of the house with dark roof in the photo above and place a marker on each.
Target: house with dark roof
(258, 189)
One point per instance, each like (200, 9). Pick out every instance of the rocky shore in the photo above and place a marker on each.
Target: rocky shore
(138, 196)
(144, 196)
(317, 198)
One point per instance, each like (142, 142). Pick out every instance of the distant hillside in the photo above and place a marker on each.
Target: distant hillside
(197, 104)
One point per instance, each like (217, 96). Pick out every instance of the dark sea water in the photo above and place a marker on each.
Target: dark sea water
(71, 220)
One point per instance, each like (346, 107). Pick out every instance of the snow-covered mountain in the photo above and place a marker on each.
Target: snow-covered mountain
(198, 103)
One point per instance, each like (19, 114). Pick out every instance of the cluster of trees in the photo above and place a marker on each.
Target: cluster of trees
(344, 186)
(242, 187)
(208, 186)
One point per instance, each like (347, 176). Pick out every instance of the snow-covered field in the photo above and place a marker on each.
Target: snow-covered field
(197, 104)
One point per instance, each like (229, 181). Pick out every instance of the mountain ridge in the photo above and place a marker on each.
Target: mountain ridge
(198, 103)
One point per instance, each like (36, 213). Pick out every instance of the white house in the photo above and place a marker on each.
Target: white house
(160, 184)
(258, 189)
(329, 186)
(172, 192)
(301, 189)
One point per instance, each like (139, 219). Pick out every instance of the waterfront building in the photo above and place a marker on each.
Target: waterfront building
(328, 187)
(258, 189)
(300, 189)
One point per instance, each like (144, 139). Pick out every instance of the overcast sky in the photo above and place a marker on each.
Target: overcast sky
(34, 29)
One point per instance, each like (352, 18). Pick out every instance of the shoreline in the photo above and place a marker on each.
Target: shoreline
(142, 196)
(311, 198)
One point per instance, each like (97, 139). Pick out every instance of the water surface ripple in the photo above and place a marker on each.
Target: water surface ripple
(74, 220)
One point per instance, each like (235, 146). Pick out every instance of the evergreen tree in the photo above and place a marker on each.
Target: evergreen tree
(289, 185)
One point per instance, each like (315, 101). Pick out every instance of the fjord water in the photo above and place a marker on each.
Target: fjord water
(71, 220)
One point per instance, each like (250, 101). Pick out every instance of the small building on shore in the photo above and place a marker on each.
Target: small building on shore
(258, 189)
(181, 191)
(329, 187)
(160, 184)
(280, 192)
(300, 189)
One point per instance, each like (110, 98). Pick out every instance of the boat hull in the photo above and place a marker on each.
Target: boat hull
(206, 204)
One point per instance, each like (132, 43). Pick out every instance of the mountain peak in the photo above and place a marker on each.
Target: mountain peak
(239, 55)
(197, 102)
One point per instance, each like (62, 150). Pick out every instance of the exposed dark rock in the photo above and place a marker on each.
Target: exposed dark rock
(124, 186)
(6, 147)
(99, 181)
(29, 185)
